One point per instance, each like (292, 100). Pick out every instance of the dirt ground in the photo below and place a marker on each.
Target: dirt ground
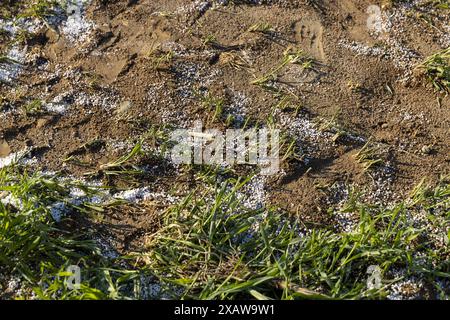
(105, 86)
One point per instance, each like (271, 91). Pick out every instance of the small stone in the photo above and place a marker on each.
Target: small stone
(123, 107)
(43, 122)
(427, 149)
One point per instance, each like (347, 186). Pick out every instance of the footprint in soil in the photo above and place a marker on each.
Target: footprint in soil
(309, 34)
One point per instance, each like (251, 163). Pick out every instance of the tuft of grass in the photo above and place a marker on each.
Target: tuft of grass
(334, 126)
(289, 149)
(235, 60)
(262, 27)
(436, 70)
(213, 104)
(34, 107)
(27, 232)
(37, 251)
(288, 103)
(5, 59)
(354, 86)
(439, 4)
(210, 40)
(212, 247)
(159, 59)
(290, 56)
(40, 9)
(369, 156)
(122, 166)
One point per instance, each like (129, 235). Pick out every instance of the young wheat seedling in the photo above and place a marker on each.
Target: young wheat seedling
(436, 70)
(369, 156)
